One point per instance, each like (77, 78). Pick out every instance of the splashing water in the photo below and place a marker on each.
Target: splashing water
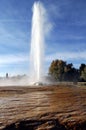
(37, 43)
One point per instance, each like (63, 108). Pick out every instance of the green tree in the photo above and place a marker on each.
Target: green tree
(61, 71)
(81, 68)
(82, 71)
(83, 74)
(56, 69)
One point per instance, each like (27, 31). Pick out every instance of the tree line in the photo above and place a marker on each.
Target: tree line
(61, 71)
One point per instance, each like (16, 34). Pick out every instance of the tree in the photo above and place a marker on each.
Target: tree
(81, 68)
(56, 69)
(62, 71)
(82, 71)
(83, 74)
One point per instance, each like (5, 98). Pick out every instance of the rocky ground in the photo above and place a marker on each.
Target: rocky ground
(61, 107)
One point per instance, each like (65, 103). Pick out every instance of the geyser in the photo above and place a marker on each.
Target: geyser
(37, 43)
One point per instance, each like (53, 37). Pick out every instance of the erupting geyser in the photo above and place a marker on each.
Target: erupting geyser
(37, 43)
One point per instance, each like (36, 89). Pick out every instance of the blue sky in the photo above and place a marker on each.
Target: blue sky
(66, 40)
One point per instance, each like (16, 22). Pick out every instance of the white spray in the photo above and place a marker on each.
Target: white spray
(37, 43)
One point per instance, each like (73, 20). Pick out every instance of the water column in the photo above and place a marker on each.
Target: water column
(37, 43)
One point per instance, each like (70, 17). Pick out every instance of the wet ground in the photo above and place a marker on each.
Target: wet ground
(61, 107)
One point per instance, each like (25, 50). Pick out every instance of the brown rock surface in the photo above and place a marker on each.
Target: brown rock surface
(60, 107)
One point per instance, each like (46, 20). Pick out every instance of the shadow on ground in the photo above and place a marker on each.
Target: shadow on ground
(52, 124)
(36, 125)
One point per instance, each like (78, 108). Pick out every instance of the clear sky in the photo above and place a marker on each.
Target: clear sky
(66, 40)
